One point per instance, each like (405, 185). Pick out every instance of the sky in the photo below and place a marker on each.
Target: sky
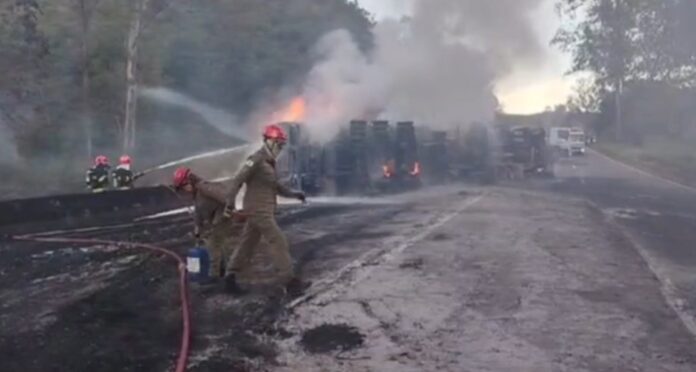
(528, 89)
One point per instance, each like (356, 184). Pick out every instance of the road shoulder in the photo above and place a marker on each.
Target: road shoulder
(659, 171)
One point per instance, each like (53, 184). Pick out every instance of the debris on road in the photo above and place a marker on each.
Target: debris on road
(331, 337)
(415, 263)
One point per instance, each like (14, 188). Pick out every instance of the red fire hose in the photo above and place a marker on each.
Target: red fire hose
(182, 360)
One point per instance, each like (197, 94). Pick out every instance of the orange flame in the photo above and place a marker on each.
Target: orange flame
(295, 111)
(416, 169)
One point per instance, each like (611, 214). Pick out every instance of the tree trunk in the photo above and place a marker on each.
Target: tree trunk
(619, 112)
(129, 125)
(84, 65)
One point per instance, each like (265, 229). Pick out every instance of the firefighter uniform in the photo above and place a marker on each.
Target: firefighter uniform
(260, 202)
(219, 233)
(97, 178)
(122, 178)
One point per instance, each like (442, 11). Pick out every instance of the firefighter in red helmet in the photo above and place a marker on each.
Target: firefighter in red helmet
(220, 233)
(262, 188)
(97, 178)
(123, 176)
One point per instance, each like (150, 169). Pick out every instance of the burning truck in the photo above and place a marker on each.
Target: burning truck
(525, 151)
(378, 156)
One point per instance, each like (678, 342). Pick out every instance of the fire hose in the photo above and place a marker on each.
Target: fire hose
(182, 359)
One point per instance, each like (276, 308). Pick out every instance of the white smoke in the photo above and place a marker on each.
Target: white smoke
(8, 149)
(437, 67)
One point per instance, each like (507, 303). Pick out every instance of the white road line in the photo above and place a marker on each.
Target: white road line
(644, 173)
(377, 256)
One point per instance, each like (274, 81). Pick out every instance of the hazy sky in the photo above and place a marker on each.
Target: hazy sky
(528, 89)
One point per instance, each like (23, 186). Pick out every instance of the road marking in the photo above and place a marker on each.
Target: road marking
(644, 173)
(376, 256)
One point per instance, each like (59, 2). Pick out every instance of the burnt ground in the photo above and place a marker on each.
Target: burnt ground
(332, 337)
(102, 308)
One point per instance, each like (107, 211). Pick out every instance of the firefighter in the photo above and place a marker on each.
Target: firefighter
(262, 187)
(97, 178)
(219, 232)
(123, 177)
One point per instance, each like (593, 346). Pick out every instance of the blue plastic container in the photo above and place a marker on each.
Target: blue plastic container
(198, 264)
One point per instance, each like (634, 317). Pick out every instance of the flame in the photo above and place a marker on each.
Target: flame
(416, 169)
(388, 169)
(294, 112)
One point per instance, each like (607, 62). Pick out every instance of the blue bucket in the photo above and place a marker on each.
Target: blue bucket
(198, 264)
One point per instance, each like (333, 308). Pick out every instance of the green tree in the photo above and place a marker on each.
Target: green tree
(68, 90)
(630, 45)
(235, 53)
(586, 97)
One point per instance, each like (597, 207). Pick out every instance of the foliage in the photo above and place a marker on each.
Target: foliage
(587, 96)
(230, 53)
(641, 54)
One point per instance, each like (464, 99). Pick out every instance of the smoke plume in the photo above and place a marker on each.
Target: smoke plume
(437, 67)
(8, 148)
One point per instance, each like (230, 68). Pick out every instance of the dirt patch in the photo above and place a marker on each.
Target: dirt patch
(331, 337)
(416, 264)
(439, 237)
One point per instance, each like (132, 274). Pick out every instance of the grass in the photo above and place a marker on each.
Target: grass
(671, 158)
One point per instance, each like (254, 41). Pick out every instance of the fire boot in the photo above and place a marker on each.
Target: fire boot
(296, 287)
(232, 287)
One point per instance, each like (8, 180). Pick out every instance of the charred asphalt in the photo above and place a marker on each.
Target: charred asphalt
(103, 308)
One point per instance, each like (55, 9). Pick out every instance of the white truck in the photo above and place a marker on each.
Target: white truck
(567, 141)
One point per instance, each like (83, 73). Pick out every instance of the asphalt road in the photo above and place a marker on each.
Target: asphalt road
(659, 216)
(523, 277)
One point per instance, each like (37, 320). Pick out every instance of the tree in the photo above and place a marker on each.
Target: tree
(129, 121)
(642, 57)
(267, 46)
(74, 86)
(24, 51)
(143, 12)
(586, 97)
(603, 43)
(85, 10)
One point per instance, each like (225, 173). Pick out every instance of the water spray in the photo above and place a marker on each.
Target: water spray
(205, 155)
(219, 119)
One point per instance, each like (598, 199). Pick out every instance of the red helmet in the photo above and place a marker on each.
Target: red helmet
(181, 177)
(125, 159)
(101, 160)
(274, 132)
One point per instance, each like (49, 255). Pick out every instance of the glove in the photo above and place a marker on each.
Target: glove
(228, 211)
(197, 236)
(301, 196)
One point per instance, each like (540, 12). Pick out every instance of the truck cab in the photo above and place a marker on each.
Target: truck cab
(567, 141)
